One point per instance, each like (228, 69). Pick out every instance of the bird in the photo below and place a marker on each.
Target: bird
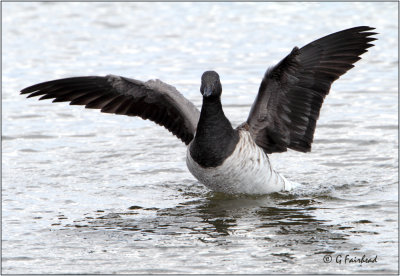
(223, 158)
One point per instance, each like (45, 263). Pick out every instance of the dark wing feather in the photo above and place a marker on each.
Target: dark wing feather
(290, 96)
(153, 100)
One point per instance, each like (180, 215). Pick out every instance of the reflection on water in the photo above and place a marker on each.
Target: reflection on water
(219, 219)
(85, 192)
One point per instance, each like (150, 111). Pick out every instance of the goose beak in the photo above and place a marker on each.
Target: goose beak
(207, 92)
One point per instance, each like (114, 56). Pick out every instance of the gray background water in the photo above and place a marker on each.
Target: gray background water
(71, 175)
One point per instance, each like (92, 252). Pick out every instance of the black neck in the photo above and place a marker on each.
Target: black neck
(215, 138)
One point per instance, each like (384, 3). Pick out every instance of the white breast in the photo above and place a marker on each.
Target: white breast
(247, 170)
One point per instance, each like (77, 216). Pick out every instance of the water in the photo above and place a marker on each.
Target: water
(85, 192)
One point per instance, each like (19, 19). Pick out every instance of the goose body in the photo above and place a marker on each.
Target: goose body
(224, 158)
(246, 171)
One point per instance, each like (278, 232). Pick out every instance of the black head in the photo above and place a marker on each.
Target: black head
(210, 85)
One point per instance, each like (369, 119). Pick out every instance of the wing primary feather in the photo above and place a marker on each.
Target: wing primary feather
(100, 102)
(85, 99)
(152, 100)
(291, 93)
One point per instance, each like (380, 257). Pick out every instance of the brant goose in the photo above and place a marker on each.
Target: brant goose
(225, 159)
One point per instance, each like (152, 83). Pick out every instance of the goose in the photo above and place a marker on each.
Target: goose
(226, 159)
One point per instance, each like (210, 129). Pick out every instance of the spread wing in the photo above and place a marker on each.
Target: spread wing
(291, 93)
(153, 100)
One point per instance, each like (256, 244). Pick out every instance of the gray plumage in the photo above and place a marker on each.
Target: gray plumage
(153, 100)
(290, 96)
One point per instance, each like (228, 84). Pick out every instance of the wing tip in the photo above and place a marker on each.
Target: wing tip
(29, 89)
(30, 95)
(362, 28)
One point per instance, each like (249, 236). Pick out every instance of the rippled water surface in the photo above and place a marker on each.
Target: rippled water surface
(85, 192)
